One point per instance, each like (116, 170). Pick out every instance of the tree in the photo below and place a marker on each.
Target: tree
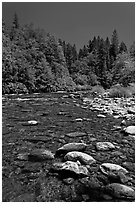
(132, 50)
(14, 28)
(114, 47)
(83, 52)
(15, 21)
(122, 47)
(92, 44)
(101, 63)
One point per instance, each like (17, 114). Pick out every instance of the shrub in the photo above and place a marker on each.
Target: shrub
(15, 88)
(83, 88)
(119, 91)
(97, 90)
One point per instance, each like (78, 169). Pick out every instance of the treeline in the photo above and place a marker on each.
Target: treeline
(35, 61)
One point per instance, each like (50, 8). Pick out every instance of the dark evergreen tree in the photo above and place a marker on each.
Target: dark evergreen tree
(92, 44)
(114, 47)
(132, 50)
(101, 69)
(15, 21)
(83, 52)
(14, 28)
(122, 47)
(74, 53)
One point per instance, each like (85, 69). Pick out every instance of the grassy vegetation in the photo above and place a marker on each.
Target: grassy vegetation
(119, 91)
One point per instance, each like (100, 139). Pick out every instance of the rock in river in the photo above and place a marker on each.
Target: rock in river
(40, 154)
(70, 168)
(130, 130)
(71, 147)
(104, 146)
(120, 191)
(80, 156)
(108, 168)
(76, 134)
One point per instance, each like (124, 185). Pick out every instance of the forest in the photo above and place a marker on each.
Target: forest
(34, 61)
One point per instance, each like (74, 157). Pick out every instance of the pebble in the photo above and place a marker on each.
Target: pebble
(123, 122)
(120, 191)
(116, 127)
(71, 147)
(78, 119)
(101, 116)
(80, 156)
(76, 134)
(22, 156)
(68, 181)
(32, 122)
(104, 146)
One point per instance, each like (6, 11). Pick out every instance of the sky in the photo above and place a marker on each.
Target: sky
(76, 22)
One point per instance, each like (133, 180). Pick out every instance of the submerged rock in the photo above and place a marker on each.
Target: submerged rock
(120, 191)
(72, 147)
(30, 123)
(68, 181)
(80, 156)
(40, 154)
(104, 146)
(108, 168)
(76, 134)
(22, 156)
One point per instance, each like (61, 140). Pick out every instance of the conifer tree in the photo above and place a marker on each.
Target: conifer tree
(15, 27)
(122, 47)
(114, 48)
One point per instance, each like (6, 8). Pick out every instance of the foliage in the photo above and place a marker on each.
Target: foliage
(42, 63)
(124, 70)
(118, 91)
(35, 59)
(97, 90)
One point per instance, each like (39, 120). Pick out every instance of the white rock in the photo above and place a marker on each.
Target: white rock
(78, 119)
(118, 190)
(108, 168)
(116, 116)
(70, 166)
(101, 116)
(104, 146)
(32, 122)
(82, 157)
(130, 130)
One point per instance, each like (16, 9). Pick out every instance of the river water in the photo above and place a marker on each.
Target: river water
(57, 114)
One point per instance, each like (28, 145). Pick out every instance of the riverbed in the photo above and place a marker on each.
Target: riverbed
(58, 114)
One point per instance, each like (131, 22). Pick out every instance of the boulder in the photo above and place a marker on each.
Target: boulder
(120, 191)
(104, 146)
(80, 156)
(70, 169)
(130, 130)
(108, 168)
